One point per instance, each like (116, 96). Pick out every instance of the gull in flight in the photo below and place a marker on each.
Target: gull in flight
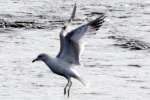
(71, 47)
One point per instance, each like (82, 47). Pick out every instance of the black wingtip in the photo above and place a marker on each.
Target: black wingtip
(98, 22)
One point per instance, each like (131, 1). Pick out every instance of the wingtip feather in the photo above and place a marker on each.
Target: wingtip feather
(98, 22)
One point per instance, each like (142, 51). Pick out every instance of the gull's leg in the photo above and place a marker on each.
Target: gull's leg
(66, 87)
(70, 84)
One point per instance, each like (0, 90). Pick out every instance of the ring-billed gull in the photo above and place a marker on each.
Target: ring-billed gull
(71, 48)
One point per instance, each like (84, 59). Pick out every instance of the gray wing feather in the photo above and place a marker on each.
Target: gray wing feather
(69, 53)
(91, 26)
(64, 28)
(72, 45)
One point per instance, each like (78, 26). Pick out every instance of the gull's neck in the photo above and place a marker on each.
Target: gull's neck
(53, 64)
(49, 61)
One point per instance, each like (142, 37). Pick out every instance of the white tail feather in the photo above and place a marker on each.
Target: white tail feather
(81, 80)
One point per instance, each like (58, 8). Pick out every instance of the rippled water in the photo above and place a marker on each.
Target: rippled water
(112, 72)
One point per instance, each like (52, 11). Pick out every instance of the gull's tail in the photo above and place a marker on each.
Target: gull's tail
(77, 76)
(81, 80)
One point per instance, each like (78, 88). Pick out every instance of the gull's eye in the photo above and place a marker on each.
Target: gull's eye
(40, 56)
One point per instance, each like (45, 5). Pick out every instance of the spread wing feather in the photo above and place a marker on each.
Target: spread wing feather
(72, 45)
(61, 35)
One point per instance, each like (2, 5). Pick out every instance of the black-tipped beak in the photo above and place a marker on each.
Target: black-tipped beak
(34, 60)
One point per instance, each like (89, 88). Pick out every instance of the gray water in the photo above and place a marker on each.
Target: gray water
(111, 71)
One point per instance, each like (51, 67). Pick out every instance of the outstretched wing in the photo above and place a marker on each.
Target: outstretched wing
(72, 46)
(61, 35)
